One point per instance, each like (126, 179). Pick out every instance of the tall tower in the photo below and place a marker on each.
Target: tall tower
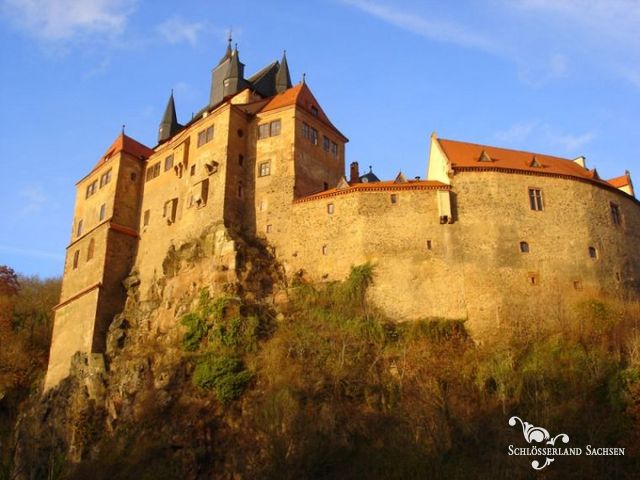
(100, 254)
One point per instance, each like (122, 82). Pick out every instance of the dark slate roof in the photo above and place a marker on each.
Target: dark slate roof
(264, 81)
(283, 79)
(369, 177)
(169, 125)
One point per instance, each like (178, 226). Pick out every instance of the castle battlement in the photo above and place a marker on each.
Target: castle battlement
(489, 233)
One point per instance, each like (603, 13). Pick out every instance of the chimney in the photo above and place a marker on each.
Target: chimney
(354, 175)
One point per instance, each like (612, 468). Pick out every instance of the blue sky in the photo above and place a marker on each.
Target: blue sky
(552, 76)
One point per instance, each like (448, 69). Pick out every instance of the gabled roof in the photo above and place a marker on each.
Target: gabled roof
(463, 155)
(301, 96)
(621, 181)
(126, 144)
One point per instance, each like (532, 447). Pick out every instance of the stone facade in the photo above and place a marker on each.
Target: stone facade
(469, 242)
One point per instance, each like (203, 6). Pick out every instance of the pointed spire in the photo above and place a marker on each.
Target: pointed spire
(169, 125)
(283, 79)
(234, 66)
(228, 52)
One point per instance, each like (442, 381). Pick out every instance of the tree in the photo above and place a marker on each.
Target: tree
(9, 284)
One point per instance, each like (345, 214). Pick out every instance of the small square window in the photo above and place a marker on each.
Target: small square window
(330, 208)
(274, 128)
(577, 284)
(168, 163)
(264, 169)
(524, 247)
(393, 198)
(269, 228)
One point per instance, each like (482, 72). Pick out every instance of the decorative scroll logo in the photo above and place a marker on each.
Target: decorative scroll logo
(542, 436)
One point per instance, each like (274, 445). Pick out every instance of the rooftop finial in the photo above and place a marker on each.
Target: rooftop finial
(370, 169)
(230, 35)
(304, 78)
(123, 126)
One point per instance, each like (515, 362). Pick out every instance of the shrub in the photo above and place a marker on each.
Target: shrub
(225, 375)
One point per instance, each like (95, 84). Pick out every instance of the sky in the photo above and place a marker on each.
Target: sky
(560, 77)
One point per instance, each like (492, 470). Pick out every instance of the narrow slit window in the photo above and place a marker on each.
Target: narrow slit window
(147, 215)
(429, 244)
(76, 258)
(92, 246)
(103, 212)
(79, 229)
(325, 250)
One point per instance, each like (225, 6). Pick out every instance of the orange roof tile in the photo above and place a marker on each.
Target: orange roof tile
(390, 185)
(125, 144)
(619, 182)
(464, 155)
(301, 96)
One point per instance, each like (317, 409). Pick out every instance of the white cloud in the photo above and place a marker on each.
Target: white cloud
(61, 20)
(177, 30)
(33, 199)
(436, 29)
(29, 252)
(520, 134)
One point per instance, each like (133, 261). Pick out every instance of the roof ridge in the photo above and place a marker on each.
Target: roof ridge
(483, 145)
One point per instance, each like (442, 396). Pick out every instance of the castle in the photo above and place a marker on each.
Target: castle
(489, 232)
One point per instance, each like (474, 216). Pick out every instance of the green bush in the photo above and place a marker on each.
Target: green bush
(225, 375)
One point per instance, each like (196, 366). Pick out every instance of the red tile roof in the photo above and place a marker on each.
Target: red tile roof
(619, 182)
(386, 186)
(125, 144)
(301, 96)
(464, 155)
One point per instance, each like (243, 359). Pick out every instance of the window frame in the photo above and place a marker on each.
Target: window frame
(536, 199)
(264, 168)
(205, 136)
(168, 162)
(615, 214)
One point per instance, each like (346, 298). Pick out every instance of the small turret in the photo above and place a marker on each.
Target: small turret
(169, 125)
(283, 79)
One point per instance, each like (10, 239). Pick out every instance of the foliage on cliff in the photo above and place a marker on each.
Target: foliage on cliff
(25, 327)
(325, 387)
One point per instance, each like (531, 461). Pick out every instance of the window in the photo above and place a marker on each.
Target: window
(264, 169)
(240, 191)
(92, 188)
(263, 205)
(314, 110)
(269, 129)
(79, 229)
(240, 133)
(153, 171)
(535, 199)
(274, 128)
(240, 159)
(168, 163)
(524, 247)
(192, 172)
(394, 199)
(103, 212)
(330, 208)
(334, 149)
(429, 245)
(147, 215)
(205, 136)
(616, 218)
(533, 279)
(105, 178)
(269, 228)
(92, 245)
(325, 186)
(325, 250)
(310, 133)
(618, 276)
(593, 253)
(577, 284)
(170, 209)
(76, 258)
(202, 195)
(326, 144)
(263, 130)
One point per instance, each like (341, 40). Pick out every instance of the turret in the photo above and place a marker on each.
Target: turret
(169, 125)
(283, 79)
(227, 78)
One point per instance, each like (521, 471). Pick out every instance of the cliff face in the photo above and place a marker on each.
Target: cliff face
(231, 374)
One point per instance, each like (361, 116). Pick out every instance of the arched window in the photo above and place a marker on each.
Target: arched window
(90, 250)
(76, 257)
(524, 247)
